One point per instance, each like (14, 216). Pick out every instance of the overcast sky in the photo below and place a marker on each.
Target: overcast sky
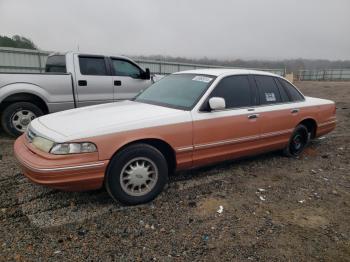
(222, 29)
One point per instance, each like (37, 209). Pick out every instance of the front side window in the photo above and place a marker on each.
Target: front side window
(235, 90)
(92, 65)
(293, 92)
(125, 68)
(177, 91)
(268, 91)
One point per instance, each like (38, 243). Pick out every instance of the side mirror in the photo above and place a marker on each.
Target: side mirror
(146, 74)
(217, 103)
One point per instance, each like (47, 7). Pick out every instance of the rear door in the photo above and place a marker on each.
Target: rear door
(127, 80)
(93, 80)
(276, 112)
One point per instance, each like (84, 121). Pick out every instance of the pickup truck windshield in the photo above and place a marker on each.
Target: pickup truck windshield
(177, 91)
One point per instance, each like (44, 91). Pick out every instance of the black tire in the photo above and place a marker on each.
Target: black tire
(297, 142)
(120, 163)
(11, 110)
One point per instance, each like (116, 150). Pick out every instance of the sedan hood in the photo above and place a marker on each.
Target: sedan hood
(105, 119)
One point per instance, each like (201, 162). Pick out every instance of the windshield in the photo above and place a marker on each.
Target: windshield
(177, 91)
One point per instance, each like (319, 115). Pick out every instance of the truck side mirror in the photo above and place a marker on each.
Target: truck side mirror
(146, 74)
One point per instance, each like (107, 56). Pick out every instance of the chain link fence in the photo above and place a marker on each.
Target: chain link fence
(33, 61)
(324, 75)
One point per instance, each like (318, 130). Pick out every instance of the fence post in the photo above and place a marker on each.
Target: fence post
(340, 75)
(39, 60)
(324, 74)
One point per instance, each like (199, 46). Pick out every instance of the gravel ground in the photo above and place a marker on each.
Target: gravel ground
(274, 209)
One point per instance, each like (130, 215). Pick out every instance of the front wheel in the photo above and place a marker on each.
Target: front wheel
(297, 142)
(137, 174)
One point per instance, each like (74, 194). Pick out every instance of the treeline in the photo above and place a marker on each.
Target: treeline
(17, 42)
(291, 65)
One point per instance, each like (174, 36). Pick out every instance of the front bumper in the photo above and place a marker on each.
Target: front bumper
(70, 173)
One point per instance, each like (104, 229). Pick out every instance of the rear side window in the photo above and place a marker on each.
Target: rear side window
(56, 64)
(292, 91)
(92, 65)
(235, 90)
(268, 90)
(125, 68)
(283, 93)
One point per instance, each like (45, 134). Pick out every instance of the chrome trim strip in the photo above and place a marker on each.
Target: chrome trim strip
(233, 141)
(226, 142)
(41, 170)
(327, 123)
(277, 133)
(184, 149)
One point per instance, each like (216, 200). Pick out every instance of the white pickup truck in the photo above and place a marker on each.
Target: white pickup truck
(70, 80)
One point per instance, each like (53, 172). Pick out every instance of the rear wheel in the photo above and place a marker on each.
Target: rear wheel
(137, 174)
(16, 117)
(297, 142)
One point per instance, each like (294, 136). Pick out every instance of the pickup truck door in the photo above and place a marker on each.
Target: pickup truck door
(127, 79)
(93, 80)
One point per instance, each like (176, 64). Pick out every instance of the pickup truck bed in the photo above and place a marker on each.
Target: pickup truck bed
(58, 93)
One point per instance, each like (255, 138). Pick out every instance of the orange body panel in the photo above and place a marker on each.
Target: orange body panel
(177, 136)
(196, 143)
(72, 173)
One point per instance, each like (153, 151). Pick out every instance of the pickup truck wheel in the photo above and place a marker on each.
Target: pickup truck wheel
(297, 142)
(17, 116)
(136, 175)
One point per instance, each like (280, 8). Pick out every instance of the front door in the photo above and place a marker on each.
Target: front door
(228, 133)
(93, 80)
(127, 79)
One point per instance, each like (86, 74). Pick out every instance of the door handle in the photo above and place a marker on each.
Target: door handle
(253, 116)
(117, 82)
(295, 110)
(82, 83)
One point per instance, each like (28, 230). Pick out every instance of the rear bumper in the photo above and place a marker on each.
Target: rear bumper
(60, 174)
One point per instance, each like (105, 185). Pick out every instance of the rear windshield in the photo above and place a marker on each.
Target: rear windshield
(56, 64)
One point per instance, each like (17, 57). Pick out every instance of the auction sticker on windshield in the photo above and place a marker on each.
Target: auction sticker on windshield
(204, 79)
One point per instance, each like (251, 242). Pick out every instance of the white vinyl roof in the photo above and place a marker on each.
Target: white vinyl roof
(226, 71)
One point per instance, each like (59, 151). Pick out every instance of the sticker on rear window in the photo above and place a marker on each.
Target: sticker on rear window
(204, 79)
(270, 97)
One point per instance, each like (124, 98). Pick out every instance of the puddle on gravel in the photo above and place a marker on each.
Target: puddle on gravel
(210, 206)
(310, 218)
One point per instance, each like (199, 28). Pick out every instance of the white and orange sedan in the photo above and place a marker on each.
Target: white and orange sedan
(187, 119)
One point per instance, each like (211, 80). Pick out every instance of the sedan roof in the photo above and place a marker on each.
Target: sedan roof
(225, 71)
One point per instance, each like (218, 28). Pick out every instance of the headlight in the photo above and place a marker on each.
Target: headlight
(73, 148)
(42, 144)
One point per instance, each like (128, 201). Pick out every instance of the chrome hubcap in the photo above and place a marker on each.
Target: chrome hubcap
(21, 119)
(297, 142)
(139, 176)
